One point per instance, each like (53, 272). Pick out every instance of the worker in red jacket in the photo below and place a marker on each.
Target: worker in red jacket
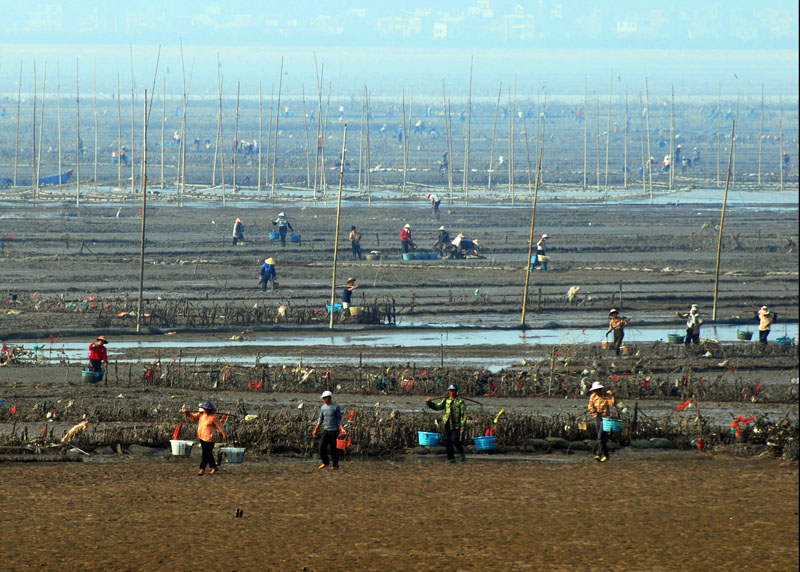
(97, 354)
(405, 238)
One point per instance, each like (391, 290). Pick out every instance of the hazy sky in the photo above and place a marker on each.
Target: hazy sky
(548, 46)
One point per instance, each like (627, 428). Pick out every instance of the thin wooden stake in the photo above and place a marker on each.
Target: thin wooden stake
(494, 135)
(722, 221)
(338, 216)
(275, 146)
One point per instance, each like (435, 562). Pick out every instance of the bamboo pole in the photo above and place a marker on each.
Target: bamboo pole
(368, 172)
(760, 135)
(119, 134)
(325, 138)
(527, 157)
(33, 149)
(163, 126)
(530, 239)
(510, 145)
(184, 131)
(133, 130)
(260, 132)
(144, 220)
(450, 155)
(512, 158)
(308, 142)
(269, 130)
(722, 221)
(275, 145)
(494, 135)
(625, 151)
(58, 115)
(736, 118)
(19, 110)
(608, 129)
(182, 142)
(217, 143)
(467, 139)
(320, 141)
(405, 147)
(780, 140)
(649, 149)
(641, 139)
(338, 217)
(41, 125)
(445, 110)
(96, 134)
(236, 139)
(360, 139)
(585, 130)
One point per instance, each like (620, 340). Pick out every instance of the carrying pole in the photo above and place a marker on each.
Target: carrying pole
(530, 240)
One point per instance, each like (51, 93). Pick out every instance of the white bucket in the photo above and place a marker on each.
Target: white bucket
(181, 448)
(233, 454)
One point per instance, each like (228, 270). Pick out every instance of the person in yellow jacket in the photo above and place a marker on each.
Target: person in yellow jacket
(455, 421)
(207, 426)
(601, 401)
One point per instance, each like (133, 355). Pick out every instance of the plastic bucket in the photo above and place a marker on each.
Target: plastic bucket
(88, 376)
(356, 310)
(675, 338)
(744, 335)
(343, 442)
(784, 340)
(232, 454)
(181, 448)
(336, 307)
(369, 256)
(274, 235)
(428, 439)
(294, 237)
(485, 443)
(612, 425)
(408, 256)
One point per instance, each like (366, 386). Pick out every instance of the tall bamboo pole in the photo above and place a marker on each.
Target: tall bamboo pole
(19, 110)
(325, 137)
(625, 152)
(260, 132)
(320, 141)
(407, 138)
(585, 130)
(41, 125)
(608, 128)
(338, 217)
(218, 143)
(275, 145)
(182, 142)
(450, 152)
(780, 140)
(133, 130)
(308, 142)
(119, 134)
(58, 116)
(368, 172)
(144, 218)
(469, 126)
(360, 138)
(530, 239)
(641, 139)
(649, 149)
(448, 138)
(236, 139)
(184, 131)
(736, 118)
(494, 135)
(510, 145)
(722, 220)
(512, 158)
(77, 135)
(269, 130)
(96, 134)
(761, 135)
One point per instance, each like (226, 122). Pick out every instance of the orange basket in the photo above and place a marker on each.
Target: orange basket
(343, 442)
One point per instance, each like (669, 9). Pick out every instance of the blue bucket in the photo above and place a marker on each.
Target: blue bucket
(274, 235)
(336, 307)
(89, 376)
(612, 425)
(408, 256)
(784, 340)
(294, 237)
(485, 443)
(428, 439)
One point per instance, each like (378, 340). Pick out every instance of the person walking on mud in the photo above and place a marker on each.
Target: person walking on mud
(347, 295)
(540, 258)
(238, 231)
(98, 354)
(435, 202)
(617, 325)
(693, 323)
(268, 273)
(207, 426)
(601, 401)
(455, 422)
(330, 419)
(765, 320)
(405, 239)
(355, 242)
(283, 225)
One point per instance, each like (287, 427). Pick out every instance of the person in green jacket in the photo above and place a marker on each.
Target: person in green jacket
(455, 421)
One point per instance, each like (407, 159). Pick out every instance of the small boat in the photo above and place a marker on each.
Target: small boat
(51, 180)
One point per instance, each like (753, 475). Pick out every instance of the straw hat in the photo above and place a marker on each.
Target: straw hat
(694, 308)
(270, 261)
(282, 214)
(613, 311)
(351, 279)
(596, 385)
(407, 226)
(441, 227)
(545, 237)
(102, 339)
(208, 405)
(452, 387)
(326, 394)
